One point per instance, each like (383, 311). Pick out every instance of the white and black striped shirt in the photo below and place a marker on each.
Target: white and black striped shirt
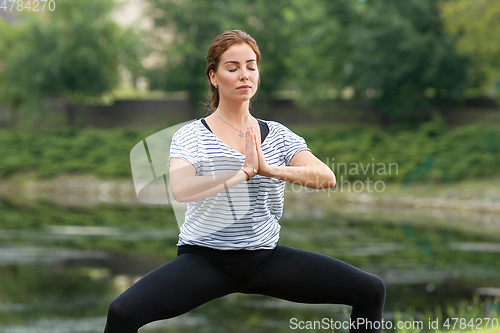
(246, 215)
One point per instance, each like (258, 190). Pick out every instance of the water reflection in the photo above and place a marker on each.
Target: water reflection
(36, 255)
(61, 267)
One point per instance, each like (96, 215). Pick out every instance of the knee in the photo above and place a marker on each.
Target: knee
(372, 294)
(119, 311)
(377, 290)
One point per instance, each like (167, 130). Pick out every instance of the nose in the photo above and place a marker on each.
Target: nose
(244, 75)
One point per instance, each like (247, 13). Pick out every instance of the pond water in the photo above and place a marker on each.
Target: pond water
(60, 267)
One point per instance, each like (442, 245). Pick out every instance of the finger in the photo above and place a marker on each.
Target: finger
(254, 136)
(257, 139)
(249, 143)
(250, 139)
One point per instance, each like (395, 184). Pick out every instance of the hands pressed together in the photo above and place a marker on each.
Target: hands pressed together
(255, 163)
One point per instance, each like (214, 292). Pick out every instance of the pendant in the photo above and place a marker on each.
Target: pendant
(241, 134)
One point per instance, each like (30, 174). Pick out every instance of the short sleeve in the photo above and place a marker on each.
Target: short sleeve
(293, 144)
(184, 146)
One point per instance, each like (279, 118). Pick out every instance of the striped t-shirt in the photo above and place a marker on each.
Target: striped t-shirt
(244, 216)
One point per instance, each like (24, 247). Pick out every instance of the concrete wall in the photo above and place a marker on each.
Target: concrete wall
(162, 112)
(150, 113)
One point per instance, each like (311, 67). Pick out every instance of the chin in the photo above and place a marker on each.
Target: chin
(243, 99)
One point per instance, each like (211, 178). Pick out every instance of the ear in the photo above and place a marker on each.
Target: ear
(212, 76)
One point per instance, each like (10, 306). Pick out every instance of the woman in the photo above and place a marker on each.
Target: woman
(231, 168)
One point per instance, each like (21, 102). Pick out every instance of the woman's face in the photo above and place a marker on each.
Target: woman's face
(237, 68)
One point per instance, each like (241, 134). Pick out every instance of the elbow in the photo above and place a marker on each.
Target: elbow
(179, 199)
(176, 194)
(333, 181)
(327, 182)
(330, 177)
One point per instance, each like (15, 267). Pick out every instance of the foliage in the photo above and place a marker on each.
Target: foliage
(398, 57)
(133, 50)
(392, 54)
(98, 152)
(352, 153)
(9, 36)
(191, 29)
(467, 316)
(477, 24)
(71, 53)
(462, 153)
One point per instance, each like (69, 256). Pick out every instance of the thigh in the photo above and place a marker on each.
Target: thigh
(180, 285)
(309, 277)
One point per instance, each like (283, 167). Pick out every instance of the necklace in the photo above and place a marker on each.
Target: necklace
(241, 134)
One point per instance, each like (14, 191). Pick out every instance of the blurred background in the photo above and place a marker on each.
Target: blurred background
(400, 98)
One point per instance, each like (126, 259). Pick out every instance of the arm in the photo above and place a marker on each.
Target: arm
(304, 169)
(186, 186)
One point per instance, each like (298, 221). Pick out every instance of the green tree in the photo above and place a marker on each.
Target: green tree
(393, 53)
(478, 25)
(71, 54)
(133, 50)
(319, 60)
(8, 95)
(192, 25)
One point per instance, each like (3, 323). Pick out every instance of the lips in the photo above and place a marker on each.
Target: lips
(243, 86)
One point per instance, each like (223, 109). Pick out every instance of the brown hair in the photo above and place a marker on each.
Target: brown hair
(219, 45)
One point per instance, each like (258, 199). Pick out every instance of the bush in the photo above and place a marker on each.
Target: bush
(432, 152)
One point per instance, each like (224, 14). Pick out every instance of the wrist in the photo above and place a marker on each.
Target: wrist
(271, 171)
(249, 171)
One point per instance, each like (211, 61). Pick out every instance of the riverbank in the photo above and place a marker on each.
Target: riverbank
(472, 206)
(412, 245)
(482, 195)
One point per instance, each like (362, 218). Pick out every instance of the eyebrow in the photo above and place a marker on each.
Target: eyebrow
(236, 62)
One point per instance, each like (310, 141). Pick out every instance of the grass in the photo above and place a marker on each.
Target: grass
(470, 317)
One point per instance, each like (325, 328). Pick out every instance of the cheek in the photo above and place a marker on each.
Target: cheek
(253, 76)
(226, 77)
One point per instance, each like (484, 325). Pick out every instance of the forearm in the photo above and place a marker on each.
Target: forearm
(195, 188)
(312, 176)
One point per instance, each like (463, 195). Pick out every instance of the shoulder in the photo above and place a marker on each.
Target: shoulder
(273, 125)
(279, 129)
(188, 129)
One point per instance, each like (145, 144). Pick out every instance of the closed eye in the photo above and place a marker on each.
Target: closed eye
(234, 70)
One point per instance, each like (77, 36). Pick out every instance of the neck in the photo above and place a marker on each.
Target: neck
(235, 113)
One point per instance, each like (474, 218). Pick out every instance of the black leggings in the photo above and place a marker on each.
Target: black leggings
(200, 274)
